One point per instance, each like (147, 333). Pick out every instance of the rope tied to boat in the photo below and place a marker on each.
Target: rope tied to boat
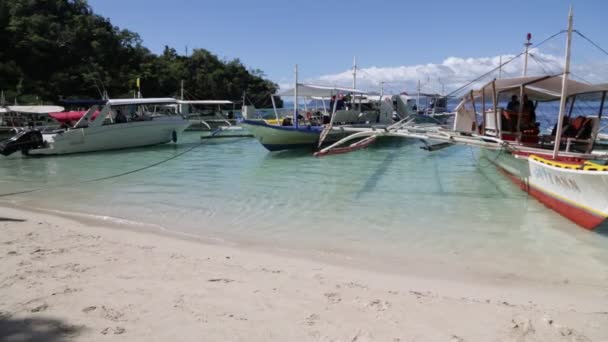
(202, 142)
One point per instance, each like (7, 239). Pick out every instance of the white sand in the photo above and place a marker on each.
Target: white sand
(62, 280)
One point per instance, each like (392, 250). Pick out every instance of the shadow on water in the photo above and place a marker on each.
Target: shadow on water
(372, 180)
(37, 329)
(602, 229)
(290, 154)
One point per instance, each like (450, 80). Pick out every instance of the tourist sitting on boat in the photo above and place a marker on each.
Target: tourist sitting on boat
(120, 117)
(287, 122)
(578, 128)
(509, 115)
(529, 108)
(513, 105)
(340, 104)
(528, 115)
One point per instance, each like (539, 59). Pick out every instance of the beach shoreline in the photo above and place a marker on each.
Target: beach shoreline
(67, 279)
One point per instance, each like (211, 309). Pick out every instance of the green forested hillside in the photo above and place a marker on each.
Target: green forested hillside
(53, 49)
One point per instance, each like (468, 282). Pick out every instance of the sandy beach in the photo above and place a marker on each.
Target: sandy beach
(64, 280)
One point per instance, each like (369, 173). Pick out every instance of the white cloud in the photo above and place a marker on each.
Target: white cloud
(453, 72)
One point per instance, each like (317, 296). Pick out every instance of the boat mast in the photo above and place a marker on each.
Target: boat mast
(527, 45)
(295, 94)
(355, 72)
(418, 97)
(181, 106)
(499, 67)
(562, 102)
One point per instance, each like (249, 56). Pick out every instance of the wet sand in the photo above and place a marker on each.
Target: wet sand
(64, 280)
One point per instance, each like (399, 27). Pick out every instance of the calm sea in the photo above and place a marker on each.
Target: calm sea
(391, 204)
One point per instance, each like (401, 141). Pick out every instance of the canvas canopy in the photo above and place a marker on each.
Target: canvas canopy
(125, 102)
(310, 90)
(34, 109)
(540, 88)
(206, 102)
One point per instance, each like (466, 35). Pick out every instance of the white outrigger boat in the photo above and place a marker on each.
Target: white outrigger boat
(563, 170)
(215, 121)
(14, 119)
(307, 128)
(207, 115)
(121, 123)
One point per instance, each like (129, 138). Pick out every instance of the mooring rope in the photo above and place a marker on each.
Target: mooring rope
(115, 175)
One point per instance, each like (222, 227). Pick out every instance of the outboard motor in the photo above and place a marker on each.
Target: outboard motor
(22, 141)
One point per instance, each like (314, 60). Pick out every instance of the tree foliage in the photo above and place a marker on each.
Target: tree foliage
(53, 49)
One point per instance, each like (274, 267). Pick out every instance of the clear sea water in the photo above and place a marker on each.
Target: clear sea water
(391, 204)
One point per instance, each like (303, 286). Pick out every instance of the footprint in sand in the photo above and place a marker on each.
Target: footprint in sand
(223, 280)
(352, 285)
(40, 308)
(522, 328)
(115, 331)
(111, 314)
(312, 319)
(333, 297)
(379, 305)
(89, 309)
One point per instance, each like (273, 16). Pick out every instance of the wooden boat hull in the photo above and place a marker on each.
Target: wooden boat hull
(277, 138)
(569, 189)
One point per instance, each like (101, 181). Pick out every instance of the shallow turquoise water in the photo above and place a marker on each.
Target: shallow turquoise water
(393, 202)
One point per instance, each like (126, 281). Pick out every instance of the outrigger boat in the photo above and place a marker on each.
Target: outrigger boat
(563, 170)
(215, 122)
(14, 119)
(207, 115)
(315, 126)
(122, 123)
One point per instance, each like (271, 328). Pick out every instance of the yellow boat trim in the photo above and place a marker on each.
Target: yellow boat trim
(591, 166)
(556, 164)
(274, 121)
(586, 166)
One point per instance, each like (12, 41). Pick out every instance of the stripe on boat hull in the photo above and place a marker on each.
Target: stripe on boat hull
(571, 211)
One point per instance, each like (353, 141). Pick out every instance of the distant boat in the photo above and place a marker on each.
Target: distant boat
(308, 128)
(207, 115)
(120, 123)
(14, 119)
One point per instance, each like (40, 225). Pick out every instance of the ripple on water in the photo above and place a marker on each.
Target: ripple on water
(389, 200)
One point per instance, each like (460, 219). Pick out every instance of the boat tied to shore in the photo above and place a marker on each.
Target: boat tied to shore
(118, 124)
(564, 168)
(311, 127)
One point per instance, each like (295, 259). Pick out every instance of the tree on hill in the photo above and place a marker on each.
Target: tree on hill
(53, 49)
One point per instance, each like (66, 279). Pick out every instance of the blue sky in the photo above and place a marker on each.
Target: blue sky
(323, 36)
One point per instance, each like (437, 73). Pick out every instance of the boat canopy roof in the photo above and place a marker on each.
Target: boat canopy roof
(205, 102)
(311, 90)
(33, 109)
(540, 88)
(83, 102)
(124, 102)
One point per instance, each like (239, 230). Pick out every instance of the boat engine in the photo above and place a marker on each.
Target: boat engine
(22, 141)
